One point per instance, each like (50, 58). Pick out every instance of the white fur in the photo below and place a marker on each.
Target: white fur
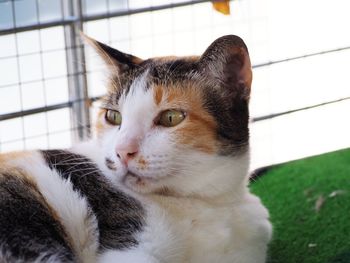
(158, 242)
(129, 256)
(161, 238)
(221, 231)
(70, 206)
(211, 216)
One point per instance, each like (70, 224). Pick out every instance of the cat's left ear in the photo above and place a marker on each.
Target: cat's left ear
(113, 58)
(226, 62)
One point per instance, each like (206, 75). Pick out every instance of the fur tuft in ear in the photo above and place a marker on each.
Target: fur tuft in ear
(226, 61)
(113, 57)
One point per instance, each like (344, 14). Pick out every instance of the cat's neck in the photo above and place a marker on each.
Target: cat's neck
(182, 208)
(226, 185)
(217, 179)
(227, 198)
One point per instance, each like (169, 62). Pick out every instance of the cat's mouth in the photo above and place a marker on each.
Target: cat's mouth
(139, 179)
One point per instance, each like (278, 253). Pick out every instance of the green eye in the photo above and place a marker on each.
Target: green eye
(171, 118)
(114, 117)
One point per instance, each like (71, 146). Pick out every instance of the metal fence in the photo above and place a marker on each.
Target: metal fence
(67, 17)
(42, 58)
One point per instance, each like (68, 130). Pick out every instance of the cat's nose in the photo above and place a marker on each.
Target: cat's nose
(125, 156)
(127, 151)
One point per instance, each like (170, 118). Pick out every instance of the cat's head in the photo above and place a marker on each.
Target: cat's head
(177, 125)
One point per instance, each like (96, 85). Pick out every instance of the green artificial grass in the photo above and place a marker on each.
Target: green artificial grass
(309, 205)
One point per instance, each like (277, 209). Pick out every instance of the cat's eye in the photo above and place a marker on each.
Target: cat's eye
(113, 117)
(171, 118)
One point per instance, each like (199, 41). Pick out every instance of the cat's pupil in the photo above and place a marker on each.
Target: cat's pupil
(170, 119)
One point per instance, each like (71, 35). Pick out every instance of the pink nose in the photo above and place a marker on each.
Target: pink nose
(128, 151)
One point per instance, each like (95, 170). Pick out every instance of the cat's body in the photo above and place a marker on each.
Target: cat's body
(57, 206)
(166, 179)
(155, 228)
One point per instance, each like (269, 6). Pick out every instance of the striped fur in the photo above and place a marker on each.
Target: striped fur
(66, 192)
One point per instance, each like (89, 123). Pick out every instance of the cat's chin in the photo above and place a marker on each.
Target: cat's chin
(139, 183)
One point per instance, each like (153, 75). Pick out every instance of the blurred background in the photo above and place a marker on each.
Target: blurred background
(300, 50)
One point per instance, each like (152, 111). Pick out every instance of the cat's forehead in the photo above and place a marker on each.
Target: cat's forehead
(158, 75)
(160, 70)
(169, 81)
(172, 69)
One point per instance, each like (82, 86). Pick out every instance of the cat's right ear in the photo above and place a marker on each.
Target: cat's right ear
(226, 62)
(113, 58)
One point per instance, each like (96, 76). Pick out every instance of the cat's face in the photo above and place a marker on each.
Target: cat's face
(177, 125)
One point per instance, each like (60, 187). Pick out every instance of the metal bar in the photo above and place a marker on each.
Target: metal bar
(19, 74)
(74, 19)
(60, 22)
(17, 114)
(37, 136)
(141, 10)
(31, 81)
(274, 115)
(39, 79)
(42, 74)
(23, 113)
(269, 63)
(78, 90)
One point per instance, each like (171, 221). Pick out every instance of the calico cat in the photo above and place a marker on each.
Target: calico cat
(165, 180)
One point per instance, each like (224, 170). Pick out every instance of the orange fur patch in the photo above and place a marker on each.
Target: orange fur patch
(142, 162)
(199, 128)
(197, 134)
(158, 94)
(100, 126)
(5, 157)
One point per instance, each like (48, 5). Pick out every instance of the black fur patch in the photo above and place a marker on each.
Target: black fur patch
(28, 230)
(119, 216)
(232, 115)
(174, 71)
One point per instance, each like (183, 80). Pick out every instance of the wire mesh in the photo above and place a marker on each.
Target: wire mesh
(48, 72)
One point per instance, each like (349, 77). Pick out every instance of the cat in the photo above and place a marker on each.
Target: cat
(166, 179)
